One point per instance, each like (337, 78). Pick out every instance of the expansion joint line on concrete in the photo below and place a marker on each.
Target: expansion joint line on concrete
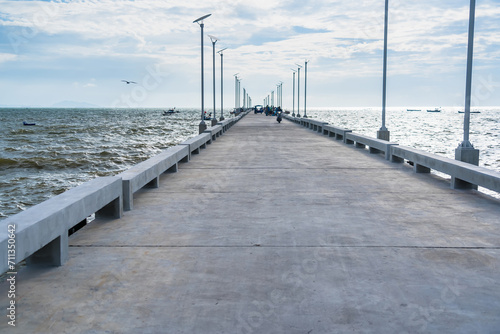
(285, 246)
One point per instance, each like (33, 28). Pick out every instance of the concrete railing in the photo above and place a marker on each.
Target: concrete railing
(41, 232)
(227, 123)
(463, 175)
(316, 125)
(147, 173)
(195, 144)
(215, 131)
(336, 132)
(374, 145)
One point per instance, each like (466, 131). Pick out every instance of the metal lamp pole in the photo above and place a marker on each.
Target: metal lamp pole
(293, 102)
(298, 90)
(305, 89)
(202, 126)
(235, 91)
(278, 95)
(383, 133)
(221, 84)
(239, 94)
(214, 40)
(281, 94)
(465, 151)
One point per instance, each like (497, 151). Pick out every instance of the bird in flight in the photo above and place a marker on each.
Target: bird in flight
(129, 82)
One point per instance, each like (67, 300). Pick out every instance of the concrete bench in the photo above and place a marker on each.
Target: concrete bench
(317, 125)
(374, 145)
(41, 232)
(147, 173)
(333, 131)
(215, 131)
(463, 175)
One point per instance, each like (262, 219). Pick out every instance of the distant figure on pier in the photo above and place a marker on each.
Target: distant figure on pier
(268, 110)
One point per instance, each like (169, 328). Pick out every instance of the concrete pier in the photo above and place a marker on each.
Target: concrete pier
(274, 228)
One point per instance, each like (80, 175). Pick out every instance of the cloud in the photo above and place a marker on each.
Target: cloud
(342, 39)
(5, 57)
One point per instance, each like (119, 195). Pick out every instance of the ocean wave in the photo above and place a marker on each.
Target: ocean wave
(38, 163)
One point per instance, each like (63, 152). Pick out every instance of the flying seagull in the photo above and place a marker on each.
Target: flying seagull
(129, 82)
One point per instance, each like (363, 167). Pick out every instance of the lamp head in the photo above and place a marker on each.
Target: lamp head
(213, 38)
(220, 51)
(201, 19)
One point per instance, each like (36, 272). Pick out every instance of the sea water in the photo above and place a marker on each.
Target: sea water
(67, 147)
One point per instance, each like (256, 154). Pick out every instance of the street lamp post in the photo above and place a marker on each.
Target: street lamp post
(202, 126)
(466, 151)
(293, 102)
(305, 89)
(278, 95)
(221, 84)
(298, 90)
(239, 94)
(214, 40)
(244, 98)
(235, 91)
(281, 95)
(383, 133)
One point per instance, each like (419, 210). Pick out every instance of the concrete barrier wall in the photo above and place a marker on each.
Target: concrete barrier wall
(147, 173)
(463, 175)
(40, 233)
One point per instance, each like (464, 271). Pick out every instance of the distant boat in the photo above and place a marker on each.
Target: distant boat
(472, 112)
(434, 110)
(413, 109)
(169, 112)
(28, 124)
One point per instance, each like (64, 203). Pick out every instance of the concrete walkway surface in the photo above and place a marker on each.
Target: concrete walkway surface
(276, 229)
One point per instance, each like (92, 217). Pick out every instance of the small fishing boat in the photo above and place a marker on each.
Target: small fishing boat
(472, 112)
(434, 110)
(28, 124)
(169, 112)
(413, 109)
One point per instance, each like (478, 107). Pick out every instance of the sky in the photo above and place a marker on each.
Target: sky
(81, 50)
